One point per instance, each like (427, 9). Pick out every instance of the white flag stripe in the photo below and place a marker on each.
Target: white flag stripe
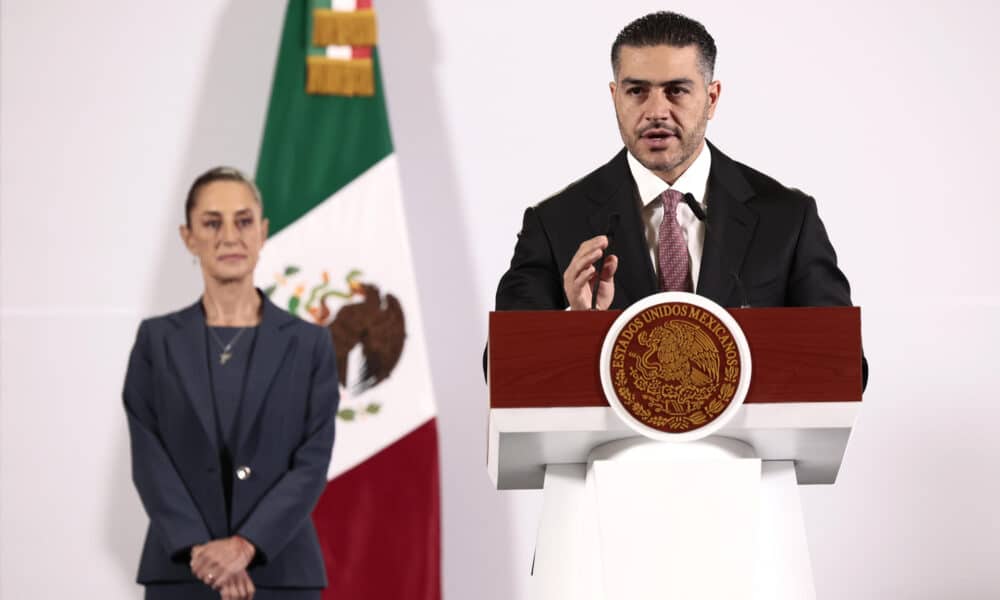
(361, 227)
(338, 52)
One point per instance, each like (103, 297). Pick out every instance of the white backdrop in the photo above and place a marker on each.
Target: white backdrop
(885, 112)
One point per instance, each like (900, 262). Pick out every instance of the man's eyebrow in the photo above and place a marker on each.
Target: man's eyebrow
(647, 83)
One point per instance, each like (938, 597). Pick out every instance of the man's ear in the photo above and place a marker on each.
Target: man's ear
(714, 91)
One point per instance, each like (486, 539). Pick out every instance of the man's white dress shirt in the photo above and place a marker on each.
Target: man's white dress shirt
(693, 181)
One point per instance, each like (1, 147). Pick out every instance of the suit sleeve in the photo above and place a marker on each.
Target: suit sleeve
(533, 281)
(169, 505)
(287, 505)
(815, 279)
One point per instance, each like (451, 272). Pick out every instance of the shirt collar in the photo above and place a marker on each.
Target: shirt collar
(693, 181)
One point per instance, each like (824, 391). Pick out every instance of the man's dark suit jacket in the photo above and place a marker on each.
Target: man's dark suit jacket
(761, 238)
(285, 434)
(764, 243)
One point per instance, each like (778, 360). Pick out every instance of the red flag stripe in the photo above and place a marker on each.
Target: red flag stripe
(379, 523)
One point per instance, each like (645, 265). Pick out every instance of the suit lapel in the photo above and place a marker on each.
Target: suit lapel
(187, 349)
(614, 192)
(270, 350)
(730, 227)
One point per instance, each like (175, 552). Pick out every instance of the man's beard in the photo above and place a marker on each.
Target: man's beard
(659, 161)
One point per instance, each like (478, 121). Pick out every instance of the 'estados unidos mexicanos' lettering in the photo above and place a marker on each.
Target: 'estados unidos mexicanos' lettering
(662, 311)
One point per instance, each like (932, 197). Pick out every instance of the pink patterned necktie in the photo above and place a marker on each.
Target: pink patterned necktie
(675, 265)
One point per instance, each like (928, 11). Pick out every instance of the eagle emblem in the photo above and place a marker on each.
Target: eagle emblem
(679, 369)
(675, 367)
(376, 324)
(368, 327)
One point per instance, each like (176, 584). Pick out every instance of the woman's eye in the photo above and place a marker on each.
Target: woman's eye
(213, 224)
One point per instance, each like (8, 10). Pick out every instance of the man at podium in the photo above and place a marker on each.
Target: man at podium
(670, 211)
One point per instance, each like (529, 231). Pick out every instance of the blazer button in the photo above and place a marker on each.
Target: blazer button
(243, 472)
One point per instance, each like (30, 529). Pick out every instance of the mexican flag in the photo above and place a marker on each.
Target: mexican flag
(338, 256)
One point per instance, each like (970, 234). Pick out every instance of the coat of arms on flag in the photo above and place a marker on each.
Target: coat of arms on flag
(367, 326)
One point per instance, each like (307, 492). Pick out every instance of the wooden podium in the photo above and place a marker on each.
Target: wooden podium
(550, 424)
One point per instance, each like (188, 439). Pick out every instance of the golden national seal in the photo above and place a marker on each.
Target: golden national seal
(675, 367)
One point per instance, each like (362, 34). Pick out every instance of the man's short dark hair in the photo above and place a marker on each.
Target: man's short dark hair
(217, 174)
(667, 29)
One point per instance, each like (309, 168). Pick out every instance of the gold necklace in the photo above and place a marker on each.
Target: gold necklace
(226, 353)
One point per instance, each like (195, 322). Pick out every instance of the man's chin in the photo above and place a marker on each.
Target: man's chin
(656, 161)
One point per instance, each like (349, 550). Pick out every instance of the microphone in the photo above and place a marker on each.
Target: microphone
(613, 220)
(696, 208)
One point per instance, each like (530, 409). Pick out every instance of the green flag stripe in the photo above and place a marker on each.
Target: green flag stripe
(315, 4)
(307, 39)
(314, 145)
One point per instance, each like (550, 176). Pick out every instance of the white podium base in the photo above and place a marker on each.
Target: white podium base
(644, 519)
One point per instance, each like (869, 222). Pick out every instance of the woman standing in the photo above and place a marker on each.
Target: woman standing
(230, 404)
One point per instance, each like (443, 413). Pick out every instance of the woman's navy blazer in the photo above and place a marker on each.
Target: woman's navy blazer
(284, 434)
